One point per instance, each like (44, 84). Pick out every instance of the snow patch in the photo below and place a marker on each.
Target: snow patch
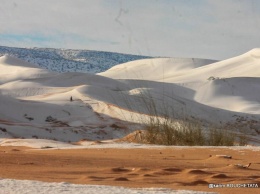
(11, 186)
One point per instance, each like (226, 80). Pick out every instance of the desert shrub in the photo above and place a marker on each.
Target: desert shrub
(242, 140)
(220, 137)
(3, 129)
(168, 132)
(50, 119)
(187, 133)
(28, 118)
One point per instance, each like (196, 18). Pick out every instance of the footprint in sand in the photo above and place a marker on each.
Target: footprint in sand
(172, 169)
(121, 169)
(149, 175)
(97, 178)
(220, 176)
(194, 183)
(121, 179)
(197, 171)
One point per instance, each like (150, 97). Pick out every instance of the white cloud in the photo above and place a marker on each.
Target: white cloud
(202, 28)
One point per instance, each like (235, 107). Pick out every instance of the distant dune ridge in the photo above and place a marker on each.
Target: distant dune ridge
(35, 102)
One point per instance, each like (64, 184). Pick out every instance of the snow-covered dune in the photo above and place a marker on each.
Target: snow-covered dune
(219, 92)
(177, 70)
(37, 103)
(232, 84)
(240, 94)
(246, 65)
(156, 69)
(12, 69)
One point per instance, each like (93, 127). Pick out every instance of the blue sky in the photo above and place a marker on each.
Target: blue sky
(215, 29)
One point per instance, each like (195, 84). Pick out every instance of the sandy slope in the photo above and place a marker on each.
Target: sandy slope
(187, 70)
(36, 103)
(233, 80)
(29, 95)
(175, 168)
(12, 69)
(155, 69)
(220, 92)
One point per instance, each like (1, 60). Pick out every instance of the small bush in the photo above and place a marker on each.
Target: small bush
(168, 132)
(50, 119)
(3, 129)
(220, 137)
(28, 118)
(242, 140)
(186, 133)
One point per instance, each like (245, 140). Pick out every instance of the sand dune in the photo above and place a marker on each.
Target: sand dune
(154, 69)
(220, 93)
(239, 94)
(185, 70)
(12, 69)
(228, 89)
(11, 62)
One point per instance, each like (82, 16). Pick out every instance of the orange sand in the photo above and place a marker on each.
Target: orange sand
(187, 169)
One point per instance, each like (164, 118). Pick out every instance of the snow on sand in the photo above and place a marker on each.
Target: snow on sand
(31, 187)
(36, 103)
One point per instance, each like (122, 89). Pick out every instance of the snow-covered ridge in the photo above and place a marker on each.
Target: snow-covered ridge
(69, 60)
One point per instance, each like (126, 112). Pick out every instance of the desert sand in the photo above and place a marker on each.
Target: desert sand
(174, 167)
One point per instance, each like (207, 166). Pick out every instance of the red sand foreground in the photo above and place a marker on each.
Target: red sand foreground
(188, 168)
